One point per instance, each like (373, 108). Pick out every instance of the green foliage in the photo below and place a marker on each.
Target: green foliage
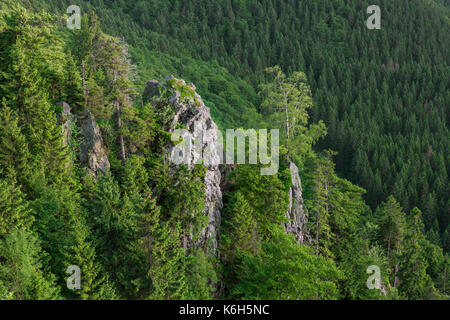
(82, 254)
(14, 208)
(266, 195)
(139, 128)
(201, 276)
(392, 226)
(287, 100)
(184, 200)
(239, 228)
(29, 76)
(113, 223)
(168, 267)
(285, 270)
(22, 272)
(14, 152)
(324, 179)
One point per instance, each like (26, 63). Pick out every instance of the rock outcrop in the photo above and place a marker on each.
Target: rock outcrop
(193, 121)
(92, 153)
(66, 119)
(190, 113)
(296, 213)
(92, 150)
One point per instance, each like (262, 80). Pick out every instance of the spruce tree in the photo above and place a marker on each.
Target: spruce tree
(22, 271)
(14, 153)
(240, 229)
(14, 208)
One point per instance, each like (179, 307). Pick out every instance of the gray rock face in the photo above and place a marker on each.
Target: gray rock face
(65, 107)
(92, 150)
(66, 119)
(204, 144)
(297, 213)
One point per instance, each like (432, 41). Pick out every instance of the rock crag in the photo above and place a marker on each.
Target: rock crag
(296, 213)
(93, 154)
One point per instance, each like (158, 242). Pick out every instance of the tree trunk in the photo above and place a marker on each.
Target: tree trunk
(83, 83)
(287, 123)
(389, 245)
(396, 281)
(317, 235)
(119, 126)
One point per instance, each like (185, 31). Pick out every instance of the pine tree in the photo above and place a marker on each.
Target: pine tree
(285, 270)
(15, 211)
(30, 51)
(22, 271)
(324, 179)
(52, 215)
(266, 195)
(113, 56)
(240, 228)
(112, 221)
(146, 220)
(73, 91)
(413, 277)
(291, 97)
(14, 152)
(392, 232)
(201, 276)
(184, 201)
(167, 269)
(82, 254)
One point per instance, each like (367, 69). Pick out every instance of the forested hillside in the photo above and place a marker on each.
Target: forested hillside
(362, 179)
(383, 94)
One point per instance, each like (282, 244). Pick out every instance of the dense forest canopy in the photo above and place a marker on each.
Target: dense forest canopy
(366, 124)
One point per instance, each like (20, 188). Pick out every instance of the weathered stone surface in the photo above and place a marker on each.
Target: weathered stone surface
(92, 150)
(297, 213)
(174, 100)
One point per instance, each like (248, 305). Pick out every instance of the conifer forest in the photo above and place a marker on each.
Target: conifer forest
(224, 150)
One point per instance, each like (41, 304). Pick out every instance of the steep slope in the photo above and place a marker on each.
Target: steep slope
(143, 226)
(382, 93)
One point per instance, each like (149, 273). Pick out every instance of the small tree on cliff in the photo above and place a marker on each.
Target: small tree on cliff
(287, 100)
